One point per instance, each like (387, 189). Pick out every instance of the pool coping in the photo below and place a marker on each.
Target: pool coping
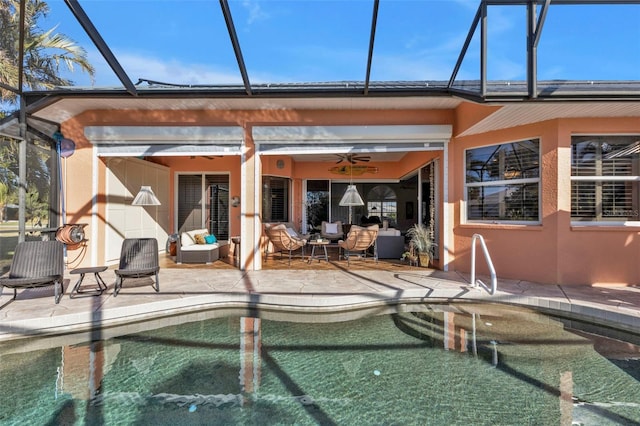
(312, 293)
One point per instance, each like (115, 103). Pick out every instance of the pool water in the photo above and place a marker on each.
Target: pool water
(455, 364)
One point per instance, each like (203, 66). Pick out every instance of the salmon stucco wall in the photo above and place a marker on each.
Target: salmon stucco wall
(79, 178)
(597, 255)
(553, 251)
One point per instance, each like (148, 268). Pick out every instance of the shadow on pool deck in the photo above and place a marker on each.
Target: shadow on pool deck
(325, 287)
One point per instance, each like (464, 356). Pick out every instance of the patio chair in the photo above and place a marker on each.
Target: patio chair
(358, 242)
(36, 264)
(282, 240)
(331, 230)
(138, 259)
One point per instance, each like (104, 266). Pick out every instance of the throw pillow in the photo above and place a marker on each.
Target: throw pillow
(210, 239)
(331, 228)
(292, 232)
(200, 238)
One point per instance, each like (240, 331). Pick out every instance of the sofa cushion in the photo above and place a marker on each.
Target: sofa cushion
(389, 232)
(200, 247)
(189, 238)
(204, 247)
(292, 232)
(331, 228)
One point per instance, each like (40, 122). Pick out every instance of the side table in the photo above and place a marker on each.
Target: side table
(90, 270)
(236, 247)
(319, 256)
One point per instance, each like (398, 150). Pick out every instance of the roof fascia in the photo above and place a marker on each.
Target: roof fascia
(34, 97)
(36, 101)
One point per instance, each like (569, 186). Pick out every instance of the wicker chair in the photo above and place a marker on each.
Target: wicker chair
(283, 241)
(138, 259)
(36, 264)
(358, 241)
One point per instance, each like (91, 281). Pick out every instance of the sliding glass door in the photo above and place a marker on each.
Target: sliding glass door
(203, 202)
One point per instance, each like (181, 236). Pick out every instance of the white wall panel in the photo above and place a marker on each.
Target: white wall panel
(124, 178)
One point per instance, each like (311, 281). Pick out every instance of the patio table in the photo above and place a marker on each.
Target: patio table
(89, 270)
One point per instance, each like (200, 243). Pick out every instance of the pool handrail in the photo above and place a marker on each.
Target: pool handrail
(487, 256)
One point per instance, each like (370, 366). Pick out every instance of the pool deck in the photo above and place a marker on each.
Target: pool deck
(192, 290)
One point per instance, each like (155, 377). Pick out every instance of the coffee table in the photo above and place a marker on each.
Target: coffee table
(323, 254)
(95, 270)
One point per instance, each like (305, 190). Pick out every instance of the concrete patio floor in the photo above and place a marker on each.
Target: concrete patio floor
(193, 289)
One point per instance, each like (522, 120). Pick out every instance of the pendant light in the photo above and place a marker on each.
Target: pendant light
(351, 196)
(146, 197)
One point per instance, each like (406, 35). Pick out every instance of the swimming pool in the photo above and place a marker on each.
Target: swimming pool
(412, 364)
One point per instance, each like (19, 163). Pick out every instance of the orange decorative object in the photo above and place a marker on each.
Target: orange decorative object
(353, 170)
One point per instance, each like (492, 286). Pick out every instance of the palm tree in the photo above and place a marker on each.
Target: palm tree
(44, 52)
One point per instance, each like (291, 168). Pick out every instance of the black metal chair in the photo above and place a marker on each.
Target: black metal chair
(36, 264)
(138, 259)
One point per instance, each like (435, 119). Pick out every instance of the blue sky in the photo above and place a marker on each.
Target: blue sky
(186, 41)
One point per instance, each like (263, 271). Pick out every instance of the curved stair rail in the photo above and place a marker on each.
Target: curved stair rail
(494, 279)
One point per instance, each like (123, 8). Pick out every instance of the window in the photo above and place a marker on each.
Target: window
(605, 171)
(275, 199)
(381, 202)
(503, 182)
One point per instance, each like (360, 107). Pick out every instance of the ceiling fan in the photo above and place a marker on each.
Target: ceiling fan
(352, 158)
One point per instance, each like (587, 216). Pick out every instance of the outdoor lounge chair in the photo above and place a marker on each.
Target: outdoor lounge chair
(282, 240)
(358, 242)
(331, 230)
(36, 264)
(138, 259)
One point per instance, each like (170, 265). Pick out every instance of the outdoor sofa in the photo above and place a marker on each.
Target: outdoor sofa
(191, 249)
(390, 243)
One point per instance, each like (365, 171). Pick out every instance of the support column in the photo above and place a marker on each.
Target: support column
(22, 172)
(250, 228)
